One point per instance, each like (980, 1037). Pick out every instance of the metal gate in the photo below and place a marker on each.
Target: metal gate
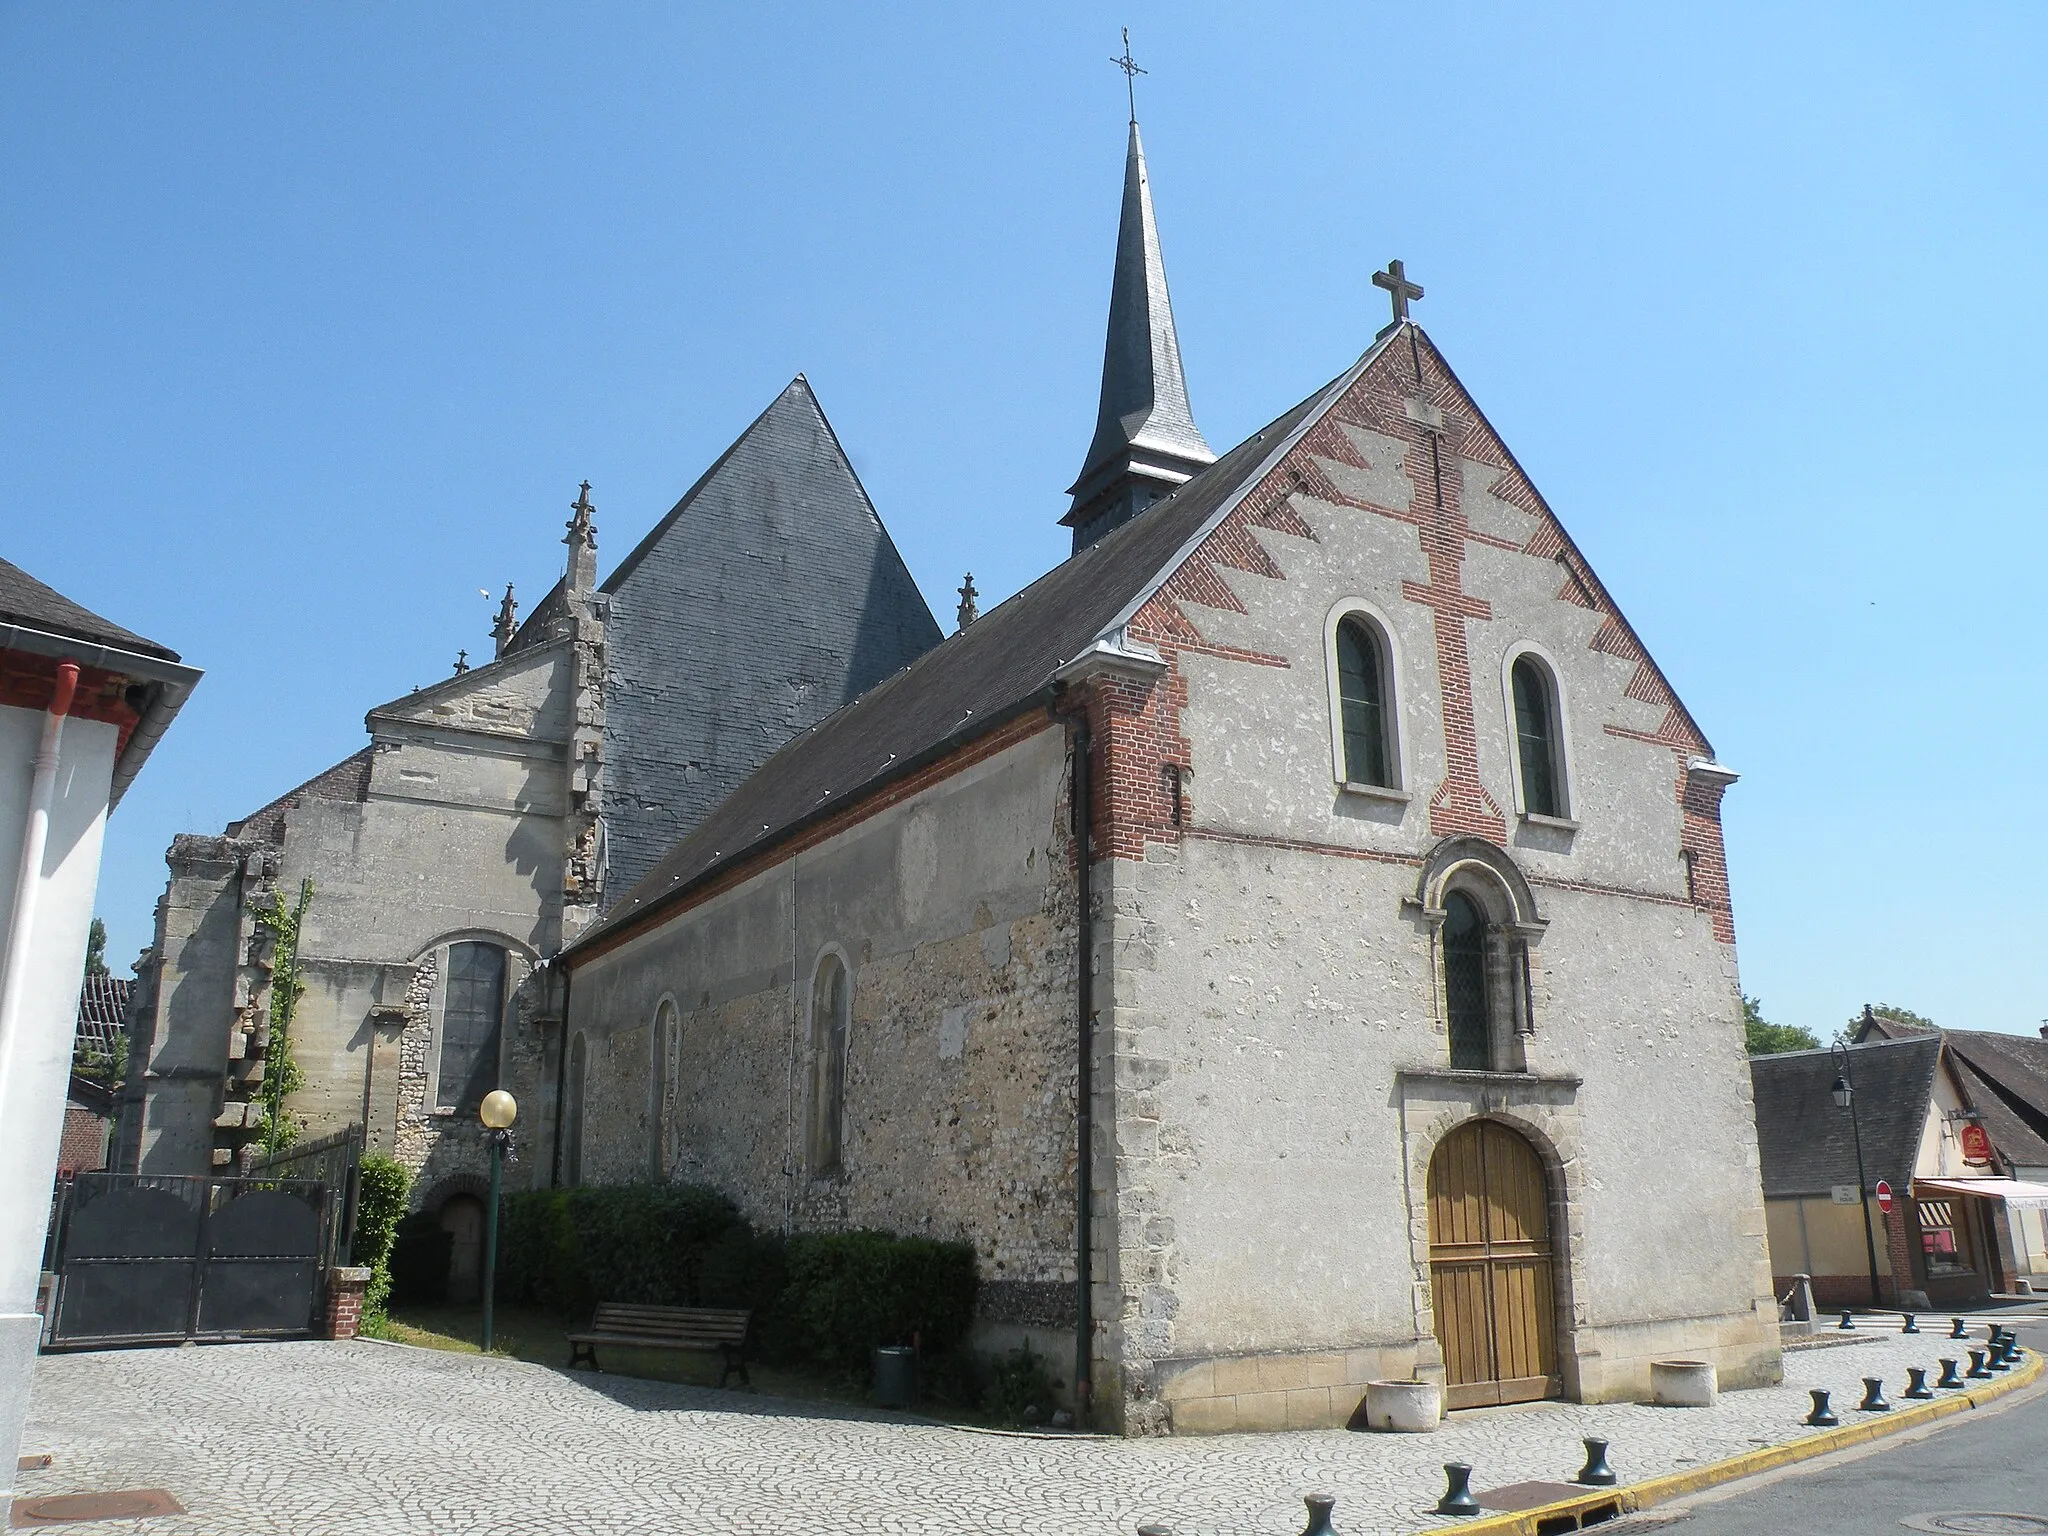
(155, 1258)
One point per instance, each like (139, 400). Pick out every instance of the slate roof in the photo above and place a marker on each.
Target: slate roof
(348, 779)
(979, 678)
(102, 1005)
(1807, 1146)
(2006, 1078)
(27, 602)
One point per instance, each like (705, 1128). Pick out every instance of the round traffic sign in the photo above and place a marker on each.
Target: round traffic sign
(1884, 1197)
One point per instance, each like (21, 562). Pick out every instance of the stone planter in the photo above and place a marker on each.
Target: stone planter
(1405, 1407)
(1683, 1384)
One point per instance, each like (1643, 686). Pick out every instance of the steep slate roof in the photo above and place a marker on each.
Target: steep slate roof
(768, 597)
(979, 677)
(27, 602)
(348, 779)
(1807, 1145)
(2006, 1078)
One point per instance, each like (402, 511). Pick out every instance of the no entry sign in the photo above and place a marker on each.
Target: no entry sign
(1884, 1197)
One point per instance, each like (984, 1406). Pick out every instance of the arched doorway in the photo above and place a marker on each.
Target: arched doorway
(1490, 1267)
(462, 1218)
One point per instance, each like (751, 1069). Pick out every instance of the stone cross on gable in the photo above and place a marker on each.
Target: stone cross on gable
(1395, 281)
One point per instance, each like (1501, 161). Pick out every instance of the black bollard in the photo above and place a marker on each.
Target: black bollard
(1949, 1375)
(1822, 1417)
(1155, 1530)
(1319, 1507)
(2012, 1349)
(1910, 1325)
(1992, 1336)
(1596, 1473)
(1916, 1382)
(1976, 1372)
(1457, 1499)
(1994, 1357)
(1958, 1328)
(1873, 1396)
(1848, 1321)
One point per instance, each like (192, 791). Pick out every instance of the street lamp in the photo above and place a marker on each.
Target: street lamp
(1844, 1094)
(498, 1110)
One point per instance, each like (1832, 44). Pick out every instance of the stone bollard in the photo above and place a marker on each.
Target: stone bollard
(1910, 1325)
(1848, 1321)
(1916, 1382)
(1457, 1499)
(1976, 1372)
(1950, 1377)
(1596, 1473)
(1822, 1417)
(1873, 1396)
(1958, 1328)
(1155, 1530)
(1320, 1506)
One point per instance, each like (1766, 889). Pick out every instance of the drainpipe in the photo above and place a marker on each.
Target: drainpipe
(1081, 737)
(28, 882)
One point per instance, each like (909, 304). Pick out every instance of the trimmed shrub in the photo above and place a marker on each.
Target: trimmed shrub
(420, 1252)
(849, 1292)
(382, 1184)
(571, 1248)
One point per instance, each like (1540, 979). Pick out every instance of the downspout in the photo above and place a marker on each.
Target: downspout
(28, 880)
(1081, 737)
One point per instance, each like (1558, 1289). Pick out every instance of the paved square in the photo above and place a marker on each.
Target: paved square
(381, 1439)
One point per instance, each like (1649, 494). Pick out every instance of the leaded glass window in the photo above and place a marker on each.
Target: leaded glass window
(1361, 688)
(1464, 940)
(1536, 738)
(472, 1016)
(829, 1009)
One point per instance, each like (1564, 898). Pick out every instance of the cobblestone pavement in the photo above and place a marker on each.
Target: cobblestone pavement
(314, 1438)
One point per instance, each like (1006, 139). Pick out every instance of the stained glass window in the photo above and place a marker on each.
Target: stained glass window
(1464, 941)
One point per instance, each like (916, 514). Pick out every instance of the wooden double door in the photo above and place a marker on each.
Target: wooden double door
(1490, 1267)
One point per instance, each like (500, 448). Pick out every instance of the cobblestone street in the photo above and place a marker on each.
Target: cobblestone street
(363, 1437)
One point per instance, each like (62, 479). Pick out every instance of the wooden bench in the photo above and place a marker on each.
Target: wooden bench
(722, 1330)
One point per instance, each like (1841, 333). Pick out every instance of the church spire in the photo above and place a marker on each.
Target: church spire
(1146, 441)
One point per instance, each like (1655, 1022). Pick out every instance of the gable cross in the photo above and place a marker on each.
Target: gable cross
(1395, 281)
(1131, 73)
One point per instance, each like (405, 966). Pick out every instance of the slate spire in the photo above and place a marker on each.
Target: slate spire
(1146, 441)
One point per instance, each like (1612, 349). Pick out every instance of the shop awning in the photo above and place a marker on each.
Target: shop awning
(2017, 1191)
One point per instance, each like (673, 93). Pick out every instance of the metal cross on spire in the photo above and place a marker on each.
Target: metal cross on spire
(1395, 281)
(1131, 73)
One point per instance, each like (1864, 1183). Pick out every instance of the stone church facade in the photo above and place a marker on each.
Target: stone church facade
(1290, 940)
(483, 824)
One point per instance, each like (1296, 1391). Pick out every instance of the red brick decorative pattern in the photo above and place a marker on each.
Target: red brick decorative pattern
(27, 681)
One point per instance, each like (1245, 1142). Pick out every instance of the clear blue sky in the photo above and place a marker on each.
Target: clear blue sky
(311, 318)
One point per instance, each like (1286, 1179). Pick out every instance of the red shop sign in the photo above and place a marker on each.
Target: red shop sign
(1976, 1145)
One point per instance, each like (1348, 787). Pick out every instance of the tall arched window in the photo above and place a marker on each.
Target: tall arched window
(830, 1006)
(663, 1082)
(472, 1022)
(572, 1110)
(1465, 991)
(1362, 694)
(1537, 738)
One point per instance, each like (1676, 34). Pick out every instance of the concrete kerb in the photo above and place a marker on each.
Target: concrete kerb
(1565, 1514)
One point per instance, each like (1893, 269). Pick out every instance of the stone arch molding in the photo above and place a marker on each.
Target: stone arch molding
(1474, 863)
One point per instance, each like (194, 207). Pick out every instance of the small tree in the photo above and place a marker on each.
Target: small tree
(1767, 1039)
(96, 949)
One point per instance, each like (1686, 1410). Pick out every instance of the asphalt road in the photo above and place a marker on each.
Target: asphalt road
(1990, 1461)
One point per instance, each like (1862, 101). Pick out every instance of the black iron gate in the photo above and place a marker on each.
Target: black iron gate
(145, 1258)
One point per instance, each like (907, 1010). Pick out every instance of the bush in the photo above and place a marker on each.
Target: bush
(667, 1244)
(382, 1184)
(1020, 1388)
(849, 1292)
(419, 1261)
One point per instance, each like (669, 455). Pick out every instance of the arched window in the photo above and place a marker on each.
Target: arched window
(472, 1024)
(664, 1081)
(572, 1110)
(1362, 698)
(1538, 739)
(1465, 988)
(830, 1006)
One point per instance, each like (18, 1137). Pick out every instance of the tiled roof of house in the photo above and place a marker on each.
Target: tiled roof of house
(348, 779)
(1808, 1146)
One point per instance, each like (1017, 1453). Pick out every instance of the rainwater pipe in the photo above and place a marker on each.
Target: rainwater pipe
(28, 880)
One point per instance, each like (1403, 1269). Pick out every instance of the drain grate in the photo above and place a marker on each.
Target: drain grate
(1975, 1522)
(67, 1508)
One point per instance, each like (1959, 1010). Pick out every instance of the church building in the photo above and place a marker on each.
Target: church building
(1290, 940)
(490, 814)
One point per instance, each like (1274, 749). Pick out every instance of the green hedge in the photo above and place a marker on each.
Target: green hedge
(829, 1298)
(381, 1187)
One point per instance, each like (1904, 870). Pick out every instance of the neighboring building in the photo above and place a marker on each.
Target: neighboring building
(1953, 1121)
(1381, 1019)
(88, 1123)
(82, 703)
(96, 1050)
(490, 814)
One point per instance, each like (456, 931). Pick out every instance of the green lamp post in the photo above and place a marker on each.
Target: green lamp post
(498, 1110)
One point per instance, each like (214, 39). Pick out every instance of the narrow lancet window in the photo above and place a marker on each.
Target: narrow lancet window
(1361, 690)
(1465, 993)
(1536, 739)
